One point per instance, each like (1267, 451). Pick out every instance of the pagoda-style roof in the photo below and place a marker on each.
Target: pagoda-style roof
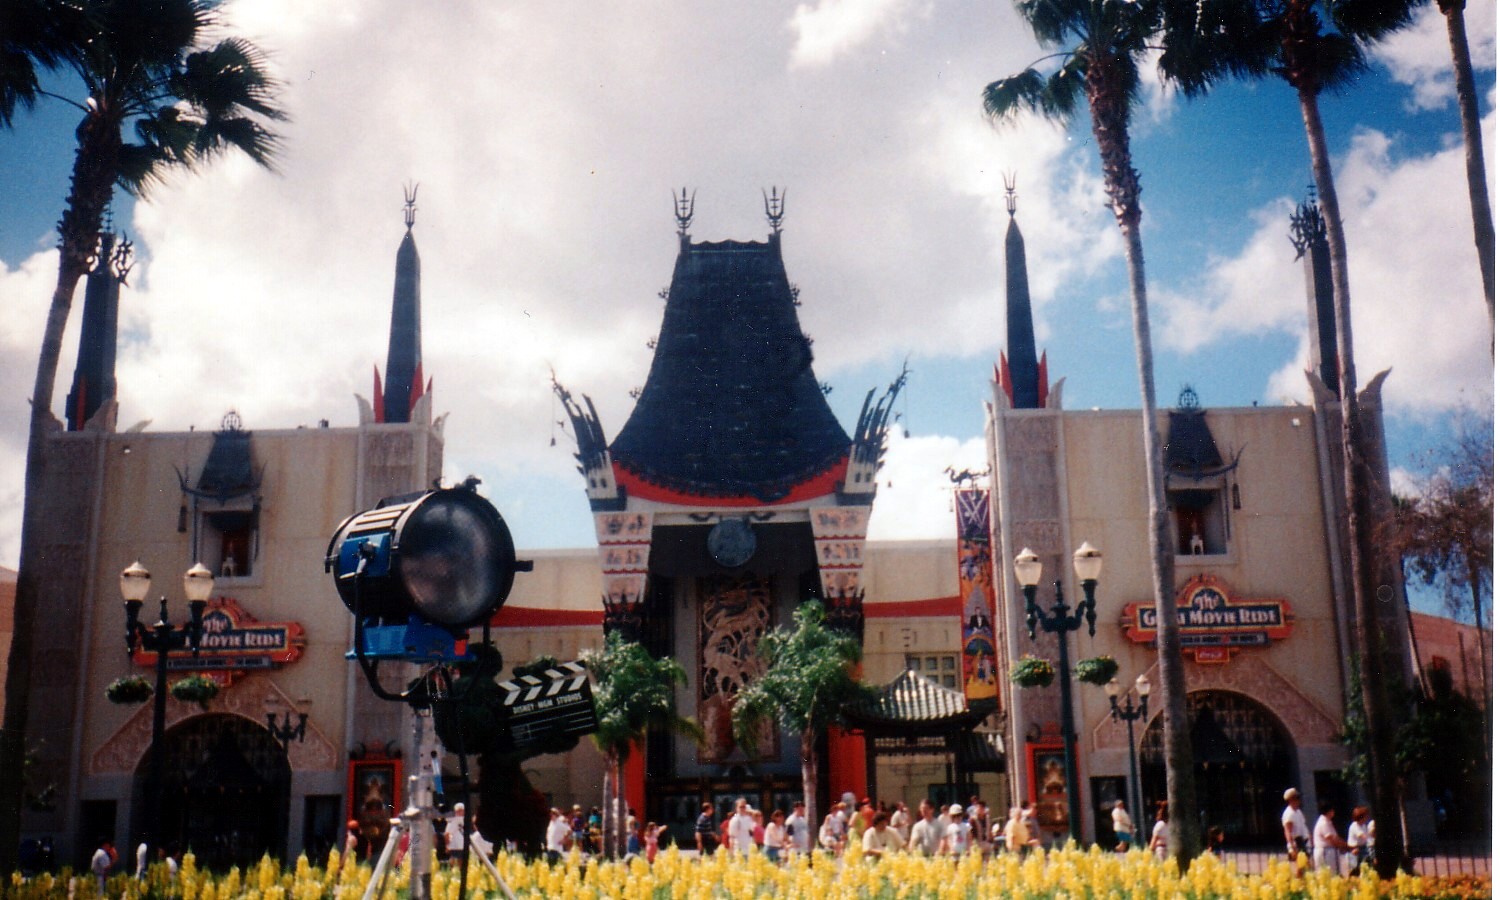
(916, 704)
(731, 411)
(230, 469)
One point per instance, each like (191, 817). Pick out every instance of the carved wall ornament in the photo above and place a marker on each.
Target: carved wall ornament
(1303, 719)
(253, 698)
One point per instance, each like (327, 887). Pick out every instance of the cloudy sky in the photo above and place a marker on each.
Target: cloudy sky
(546, 139)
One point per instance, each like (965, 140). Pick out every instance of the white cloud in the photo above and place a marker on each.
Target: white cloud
(915, 498)
(1419, 56)
(831, 28)
(1414, 277)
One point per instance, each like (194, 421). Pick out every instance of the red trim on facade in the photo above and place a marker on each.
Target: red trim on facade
(634, 778)
(911, 609)
(531, 617)
(819, 485)
(846, 764)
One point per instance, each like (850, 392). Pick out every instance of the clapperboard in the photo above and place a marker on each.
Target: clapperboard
(559, 701)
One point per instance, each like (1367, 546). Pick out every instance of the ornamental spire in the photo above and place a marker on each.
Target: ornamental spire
(1022, 377)
(403, 361)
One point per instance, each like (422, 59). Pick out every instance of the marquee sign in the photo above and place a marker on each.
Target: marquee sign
(234, 642)
(1212, 622)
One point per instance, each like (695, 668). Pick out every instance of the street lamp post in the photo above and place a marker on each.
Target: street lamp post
(1087, 561)
(162, 639)
(1129, 713)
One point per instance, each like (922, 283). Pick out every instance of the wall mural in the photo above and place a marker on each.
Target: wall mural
(736, 614)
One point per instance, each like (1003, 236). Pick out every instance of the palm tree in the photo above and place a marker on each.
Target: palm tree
(143, 64)
(1215, 39)
(1101, 44)
(1468, 117)
(632, 693)
(808, 683)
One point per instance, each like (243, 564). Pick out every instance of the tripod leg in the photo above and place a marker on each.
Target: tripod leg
(495, 874)
(377, 876)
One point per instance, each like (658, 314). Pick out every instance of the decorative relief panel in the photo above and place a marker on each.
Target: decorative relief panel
(1031, 434)
(736, 614)
(1246, 675)
(254, 699)
(1045, 538)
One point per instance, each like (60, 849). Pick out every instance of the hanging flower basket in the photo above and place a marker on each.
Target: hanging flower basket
(197, 689)
(1098, 670)
(130, 689)
(1029, 671)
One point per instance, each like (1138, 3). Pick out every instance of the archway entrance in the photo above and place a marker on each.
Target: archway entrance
(1242, 759)
(225, 791)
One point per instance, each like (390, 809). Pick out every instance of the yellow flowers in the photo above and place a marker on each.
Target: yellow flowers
(1072, 873)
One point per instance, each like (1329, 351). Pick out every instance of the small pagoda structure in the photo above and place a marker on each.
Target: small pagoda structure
(731, 495)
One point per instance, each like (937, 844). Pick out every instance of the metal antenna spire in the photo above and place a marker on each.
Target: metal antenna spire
(683, 207)
(1010, 193)
(775, 208)
(1307, 223)
(410, 192)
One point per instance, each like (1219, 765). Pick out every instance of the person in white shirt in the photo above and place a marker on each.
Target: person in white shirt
(140, 860)
(960, 836)
(1159, 831)
(776, 840)
(880, 839)
(797, 828)
(1294, 824)
(926, 834)
(1124, 828)
(103, 858)
(901, 822)
(453, 832)
(741, 829)
(1327, 845)
(1361, 838)
(558, 832)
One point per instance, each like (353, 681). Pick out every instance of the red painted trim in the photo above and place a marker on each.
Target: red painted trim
(634, 778)
(910, 609)
(820, 485)
(846, 764)
(531, 617)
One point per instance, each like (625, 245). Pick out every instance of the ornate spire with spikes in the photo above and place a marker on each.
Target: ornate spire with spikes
(775, 208)
(1024, 380)
(683, 208)
(94, 375)
(1310, 238)
(403, 362)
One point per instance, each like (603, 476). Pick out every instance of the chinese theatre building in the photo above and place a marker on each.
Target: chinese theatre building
(1261, 587)
(730, 496)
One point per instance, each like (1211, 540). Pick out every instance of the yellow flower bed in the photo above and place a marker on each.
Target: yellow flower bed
(1070, 873)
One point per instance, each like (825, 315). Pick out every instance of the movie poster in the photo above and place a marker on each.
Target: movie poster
(976, 588)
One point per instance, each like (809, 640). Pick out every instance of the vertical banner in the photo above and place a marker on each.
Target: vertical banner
(624, 557)
(839, 541)
(976, 588)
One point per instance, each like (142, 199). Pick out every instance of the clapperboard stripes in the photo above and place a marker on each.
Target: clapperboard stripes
(557, 702)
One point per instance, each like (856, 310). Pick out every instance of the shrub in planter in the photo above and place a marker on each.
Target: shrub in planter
(1029, 671)
(130, 689)
(1098, 670)
(197, 689)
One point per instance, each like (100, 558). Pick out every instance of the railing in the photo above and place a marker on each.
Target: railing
(1470, 856)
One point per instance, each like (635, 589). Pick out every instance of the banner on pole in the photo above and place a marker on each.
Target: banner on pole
(976, 587)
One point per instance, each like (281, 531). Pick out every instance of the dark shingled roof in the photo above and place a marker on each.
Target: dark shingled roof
(1190, 445)
(916, 701)
(731, 407)
(229, 471)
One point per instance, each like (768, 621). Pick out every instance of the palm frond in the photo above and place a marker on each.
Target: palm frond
(1054, 96)
(139, 168)
(1368, 21)
(35, 36)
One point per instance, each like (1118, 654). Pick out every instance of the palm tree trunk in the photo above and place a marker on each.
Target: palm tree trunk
(810, 786)
(1109, 106)
(1468, 115)
(94, 164)
(606, 803)
(1357, 487)
(1476, 594)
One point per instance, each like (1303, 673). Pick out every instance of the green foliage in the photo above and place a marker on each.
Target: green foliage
(1097, 670)
(809, 679)
(1086, 33)
(127, 690)
(1443, 735)
(1031, 671)
(634, 692)
(197, 689)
